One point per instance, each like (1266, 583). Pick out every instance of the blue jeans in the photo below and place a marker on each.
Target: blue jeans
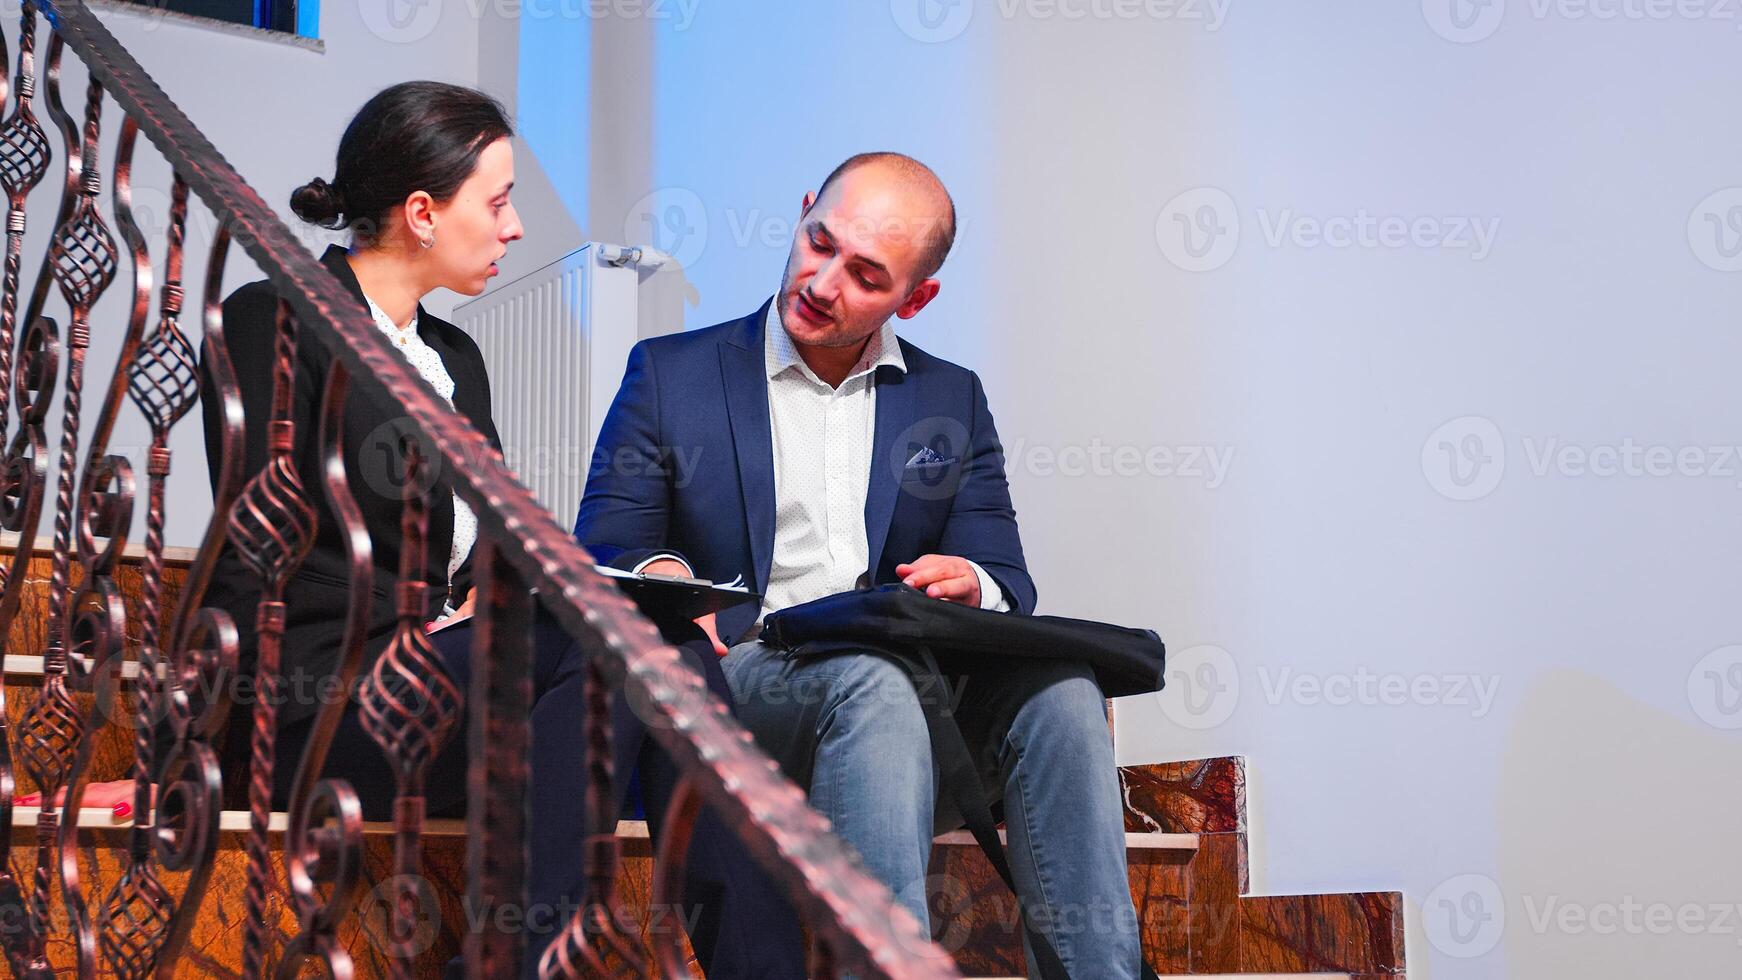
(850, 727)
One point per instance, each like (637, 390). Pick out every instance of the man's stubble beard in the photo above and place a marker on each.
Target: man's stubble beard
(780, 315)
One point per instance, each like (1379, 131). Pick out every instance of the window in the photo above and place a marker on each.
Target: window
(300, 17)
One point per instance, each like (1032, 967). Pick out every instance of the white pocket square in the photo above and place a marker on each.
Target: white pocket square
(927, 457)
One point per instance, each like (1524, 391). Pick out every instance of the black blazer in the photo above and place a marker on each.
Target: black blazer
(316, 595)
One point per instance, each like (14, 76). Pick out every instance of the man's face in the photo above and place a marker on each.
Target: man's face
(856, 260)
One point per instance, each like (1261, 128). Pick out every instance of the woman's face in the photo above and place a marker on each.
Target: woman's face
(473, 228)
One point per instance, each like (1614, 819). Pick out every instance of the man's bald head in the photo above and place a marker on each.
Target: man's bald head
(916, 179)
(865, 248)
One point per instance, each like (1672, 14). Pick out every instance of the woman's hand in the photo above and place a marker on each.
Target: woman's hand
(467, 610)
(117, 797)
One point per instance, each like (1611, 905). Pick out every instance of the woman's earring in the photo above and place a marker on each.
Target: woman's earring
(428, 242)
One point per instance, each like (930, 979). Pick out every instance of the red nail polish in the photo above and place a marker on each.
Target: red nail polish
(123, 811)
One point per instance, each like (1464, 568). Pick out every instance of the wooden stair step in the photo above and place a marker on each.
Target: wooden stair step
(100, 818)
(29, 665)
(103, 843)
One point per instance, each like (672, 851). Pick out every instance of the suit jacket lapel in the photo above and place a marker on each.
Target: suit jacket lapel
(897, 403)
(744, 371)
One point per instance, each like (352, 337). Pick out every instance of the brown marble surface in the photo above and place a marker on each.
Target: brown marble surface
(214, 947)
(112, 746)
(1358, 933)
(1204, 796)
(29, 630)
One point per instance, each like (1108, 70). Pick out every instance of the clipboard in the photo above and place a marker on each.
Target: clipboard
(659, 596)
(674, 596)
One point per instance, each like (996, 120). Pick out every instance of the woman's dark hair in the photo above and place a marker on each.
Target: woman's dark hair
(414, 136)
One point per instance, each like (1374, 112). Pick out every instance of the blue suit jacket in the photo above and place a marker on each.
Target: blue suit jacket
(684, 463)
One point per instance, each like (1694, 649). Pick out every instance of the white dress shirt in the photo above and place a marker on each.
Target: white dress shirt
(822, 439)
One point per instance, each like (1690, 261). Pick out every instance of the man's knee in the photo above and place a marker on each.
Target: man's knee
(867, 675)
(1065, 705)
(874, 691)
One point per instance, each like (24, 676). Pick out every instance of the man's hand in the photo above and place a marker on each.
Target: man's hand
(671, 566)
(945, 577)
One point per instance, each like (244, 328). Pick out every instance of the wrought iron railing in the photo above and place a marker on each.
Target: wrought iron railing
(138, 928)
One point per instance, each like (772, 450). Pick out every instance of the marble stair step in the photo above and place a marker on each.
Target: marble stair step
(237, 820)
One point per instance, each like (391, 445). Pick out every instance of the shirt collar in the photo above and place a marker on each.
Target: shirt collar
(386, 323)
(781, 354)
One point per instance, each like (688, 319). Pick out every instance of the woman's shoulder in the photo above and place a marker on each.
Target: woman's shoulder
(252, 305)
(250, 324)
(260, 295)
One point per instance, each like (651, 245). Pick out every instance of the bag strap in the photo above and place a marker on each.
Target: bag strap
(957, 772)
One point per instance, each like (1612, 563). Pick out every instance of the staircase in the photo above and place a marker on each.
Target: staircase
(1186, 846)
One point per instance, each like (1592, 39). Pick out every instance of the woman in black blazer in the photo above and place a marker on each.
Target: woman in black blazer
(422, 180)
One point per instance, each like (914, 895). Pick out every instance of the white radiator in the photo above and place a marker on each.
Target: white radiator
(555, 342)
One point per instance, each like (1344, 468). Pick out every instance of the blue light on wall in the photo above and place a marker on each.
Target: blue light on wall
(753, 109)
(553, 100)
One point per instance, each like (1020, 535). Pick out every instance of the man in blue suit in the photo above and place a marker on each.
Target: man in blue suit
(805, 449)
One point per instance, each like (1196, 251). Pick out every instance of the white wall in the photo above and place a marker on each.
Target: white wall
(275, 110)
(1599, 782)
(1543, 832)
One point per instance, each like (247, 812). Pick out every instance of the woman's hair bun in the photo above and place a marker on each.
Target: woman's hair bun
(320, 203)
